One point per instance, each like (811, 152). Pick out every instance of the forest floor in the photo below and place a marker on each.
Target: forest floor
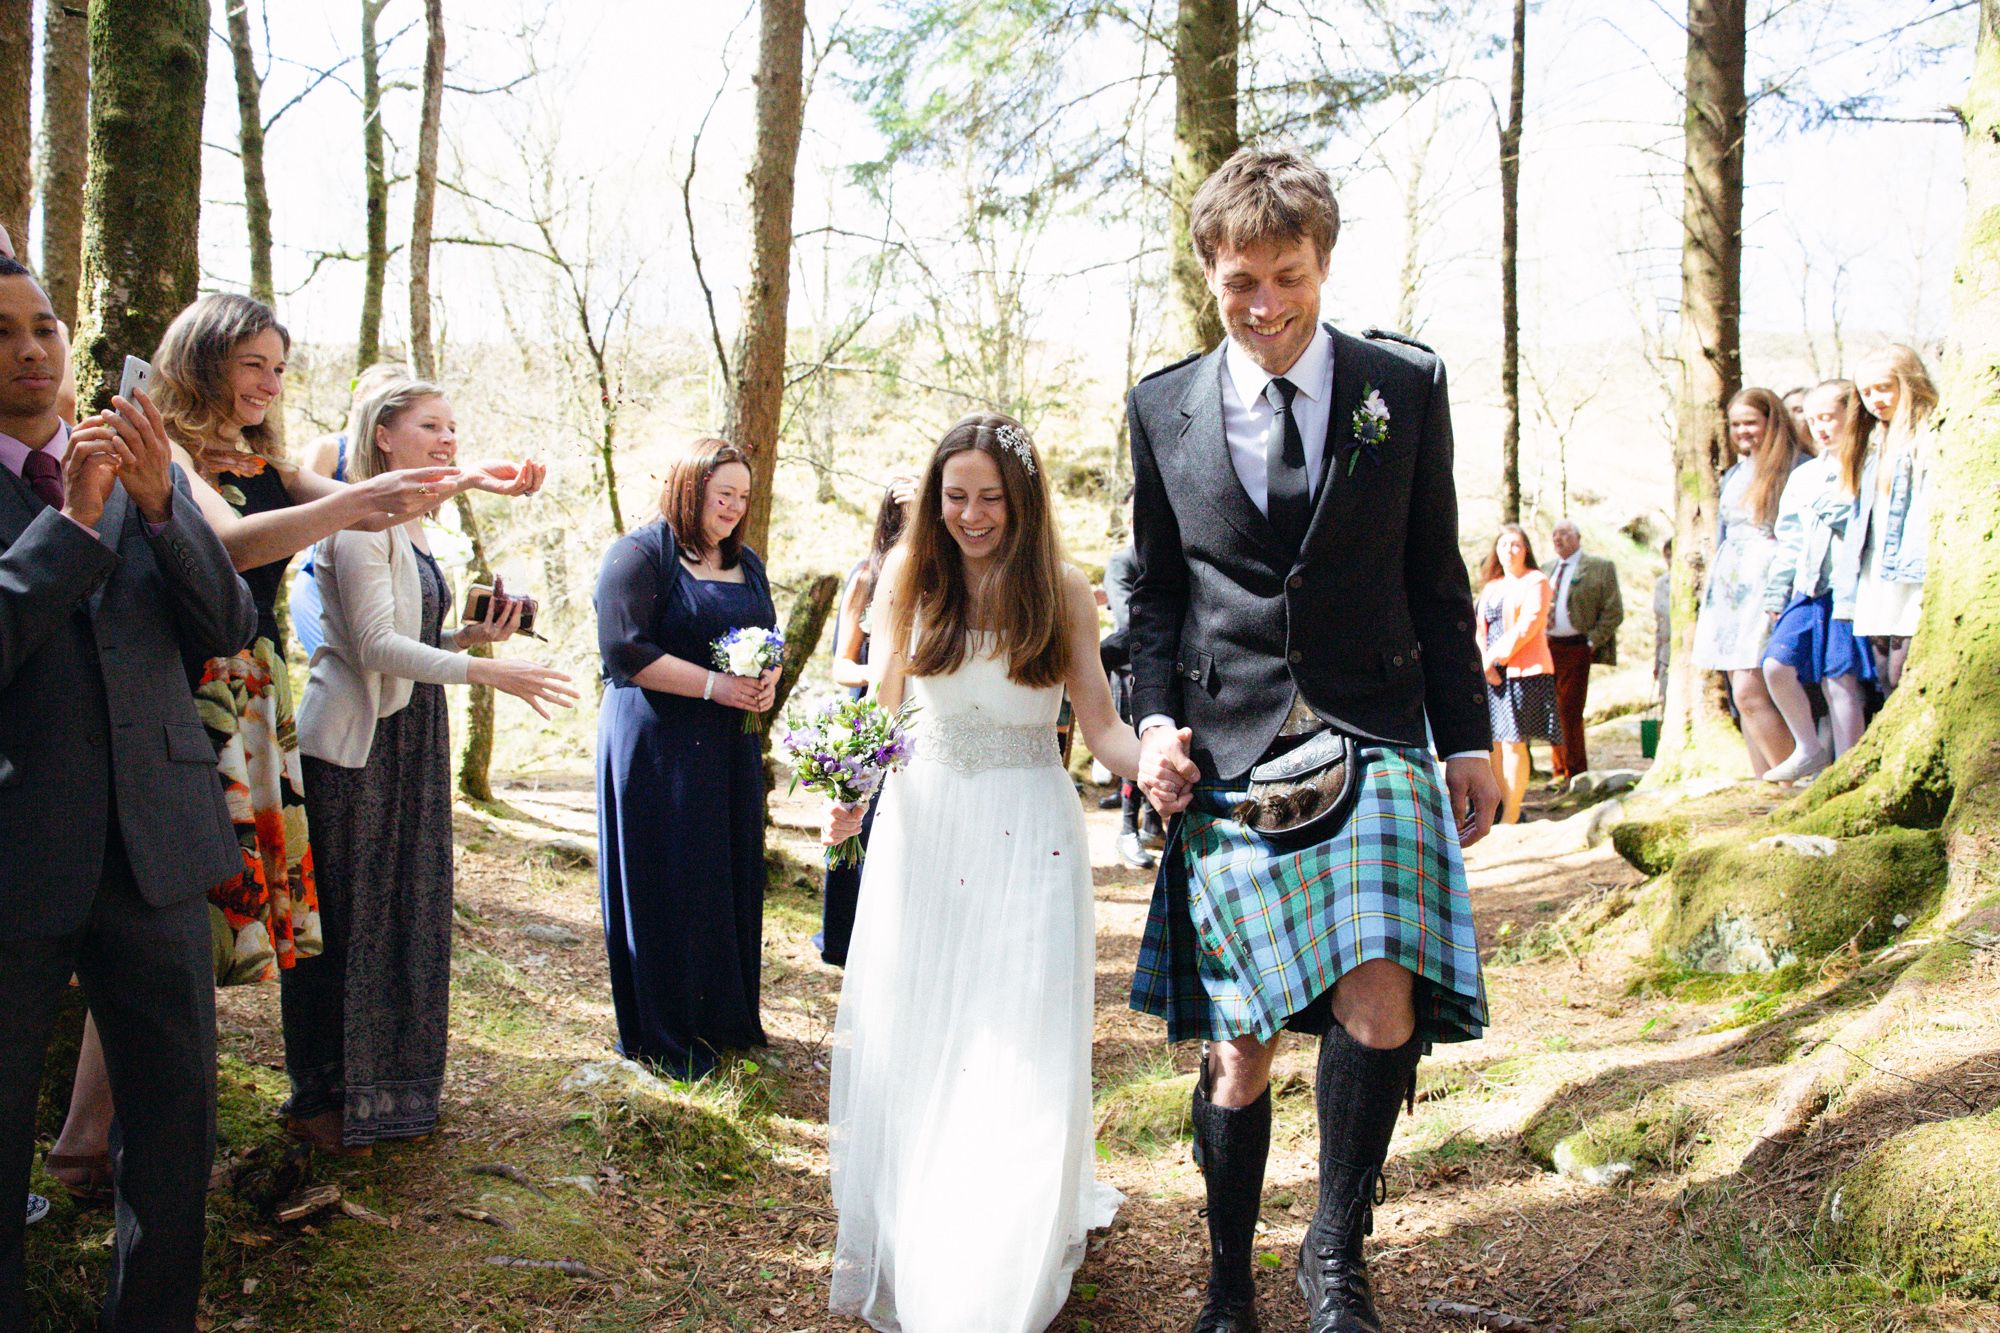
(706, 1208)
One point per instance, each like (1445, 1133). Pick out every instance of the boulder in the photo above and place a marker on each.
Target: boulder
(1924, 1208)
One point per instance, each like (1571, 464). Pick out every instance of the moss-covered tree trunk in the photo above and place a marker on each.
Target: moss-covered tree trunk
(1510, 272)
(375, 189)
(142, 203)
(65, 149)
(1697, 733)
(250, 150)
(1207, 38)
(757, 409)
(17, 177)
(423, 197)
(1933, 756)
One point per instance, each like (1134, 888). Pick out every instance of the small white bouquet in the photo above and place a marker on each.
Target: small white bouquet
(843, 751)
(749, 650)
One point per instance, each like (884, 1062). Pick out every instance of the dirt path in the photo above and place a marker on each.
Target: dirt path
(706, 1208)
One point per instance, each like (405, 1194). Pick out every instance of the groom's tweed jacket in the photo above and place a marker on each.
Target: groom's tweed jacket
(1370, 622)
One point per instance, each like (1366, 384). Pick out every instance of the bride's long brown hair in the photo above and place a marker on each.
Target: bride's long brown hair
(1024, 598)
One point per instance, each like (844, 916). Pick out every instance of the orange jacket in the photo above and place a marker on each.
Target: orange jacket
(1523, 645)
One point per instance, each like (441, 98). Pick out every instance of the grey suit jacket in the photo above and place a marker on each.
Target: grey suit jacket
(96, 707)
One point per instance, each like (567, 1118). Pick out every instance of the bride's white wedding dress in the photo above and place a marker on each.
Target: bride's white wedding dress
(961, 1128)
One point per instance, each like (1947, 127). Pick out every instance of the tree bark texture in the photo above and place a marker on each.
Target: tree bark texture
(757, 408)
(1207, 38)
(142, 203)
(1510, 273)
(1932, 757)
(375, 174)
(17, 177)
(1697, 732)
(423, 205)
(65, 149)
(250, 149)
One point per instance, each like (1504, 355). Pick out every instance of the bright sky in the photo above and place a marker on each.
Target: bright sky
(625, 82)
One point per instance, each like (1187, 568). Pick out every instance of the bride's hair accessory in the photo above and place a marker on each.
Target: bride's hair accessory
(1015, 441)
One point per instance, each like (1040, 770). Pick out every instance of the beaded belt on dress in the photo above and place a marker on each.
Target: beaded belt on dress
(969, 743)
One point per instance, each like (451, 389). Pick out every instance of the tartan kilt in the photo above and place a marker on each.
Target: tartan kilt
(1245, 939)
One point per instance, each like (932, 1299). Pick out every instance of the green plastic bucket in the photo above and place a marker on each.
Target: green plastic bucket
(1649, 736)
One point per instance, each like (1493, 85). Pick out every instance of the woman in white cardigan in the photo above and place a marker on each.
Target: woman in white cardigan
(365, 1021)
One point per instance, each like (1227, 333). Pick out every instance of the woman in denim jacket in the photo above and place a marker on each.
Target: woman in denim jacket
(1808, 646)
(1879, 582)
(1730, 632)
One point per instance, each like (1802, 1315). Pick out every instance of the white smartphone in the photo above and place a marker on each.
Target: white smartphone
(138, 375)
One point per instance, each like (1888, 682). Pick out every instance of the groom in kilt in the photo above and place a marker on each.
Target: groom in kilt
(1296, 525)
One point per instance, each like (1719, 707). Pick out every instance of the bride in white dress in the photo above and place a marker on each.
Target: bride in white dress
(961, 1126)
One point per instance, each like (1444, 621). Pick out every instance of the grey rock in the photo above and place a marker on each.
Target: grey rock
(542, 933)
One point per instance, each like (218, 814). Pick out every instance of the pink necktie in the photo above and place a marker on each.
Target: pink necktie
(44, 476)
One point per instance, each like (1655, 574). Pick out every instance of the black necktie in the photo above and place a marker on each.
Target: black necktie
(1289, 494)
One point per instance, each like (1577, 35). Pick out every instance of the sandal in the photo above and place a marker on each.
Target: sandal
(92, 1184)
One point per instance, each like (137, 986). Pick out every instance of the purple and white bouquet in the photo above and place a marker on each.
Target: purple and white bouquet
(843, 751)
(749, 650)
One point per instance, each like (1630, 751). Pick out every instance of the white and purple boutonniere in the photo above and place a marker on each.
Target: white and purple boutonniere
(1371, 427)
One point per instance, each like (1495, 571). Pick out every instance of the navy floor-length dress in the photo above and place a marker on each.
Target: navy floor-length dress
(680, 813)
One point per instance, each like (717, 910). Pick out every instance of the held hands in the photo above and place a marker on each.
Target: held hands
(842, 822)
(752, 694)
(136, 442)
(1166, 774)
(1475, 796)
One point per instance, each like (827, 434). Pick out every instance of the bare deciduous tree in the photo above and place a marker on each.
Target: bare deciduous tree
(375, 183)
(1207, 38)
(757, 405)
(1510, 271)
(250, 149)
(1711, 359)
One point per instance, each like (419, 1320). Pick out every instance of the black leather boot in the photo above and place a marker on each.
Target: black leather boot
(1361, 1091)
(1230, 1146)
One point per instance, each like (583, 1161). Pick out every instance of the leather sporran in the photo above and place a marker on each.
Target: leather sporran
(1303, 796)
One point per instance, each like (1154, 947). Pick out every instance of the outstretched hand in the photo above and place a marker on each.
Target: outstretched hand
(504, 478)
(1166, 774)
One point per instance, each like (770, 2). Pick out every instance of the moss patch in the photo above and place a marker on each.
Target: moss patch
(1651, 846)
(1604, 1131)
(1148, 1112)
(1924, 1208)
(1738, 907)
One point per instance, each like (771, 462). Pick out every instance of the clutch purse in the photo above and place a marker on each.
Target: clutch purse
(479, 597)
(1304, 795)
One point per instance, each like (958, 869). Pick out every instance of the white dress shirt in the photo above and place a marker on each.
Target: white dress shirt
(1559, 579)
(1247, 413)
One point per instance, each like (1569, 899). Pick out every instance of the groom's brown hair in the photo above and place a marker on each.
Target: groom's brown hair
(1271, 195)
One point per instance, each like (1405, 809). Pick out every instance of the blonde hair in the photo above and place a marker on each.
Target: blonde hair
(1773, 456)
(191, 380)
(1850, 431)
(932, 597)
(385, 407)
(1916, 400)
(1263, 195)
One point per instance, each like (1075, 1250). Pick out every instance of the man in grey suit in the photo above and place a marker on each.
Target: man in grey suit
(112, 822)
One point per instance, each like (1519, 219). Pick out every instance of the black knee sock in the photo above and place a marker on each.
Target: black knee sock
(1231, 1145)
(1129, 811)
(1360, 1093)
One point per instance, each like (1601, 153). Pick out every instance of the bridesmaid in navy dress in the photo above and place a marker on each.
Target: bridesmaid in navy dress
(680, 784)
